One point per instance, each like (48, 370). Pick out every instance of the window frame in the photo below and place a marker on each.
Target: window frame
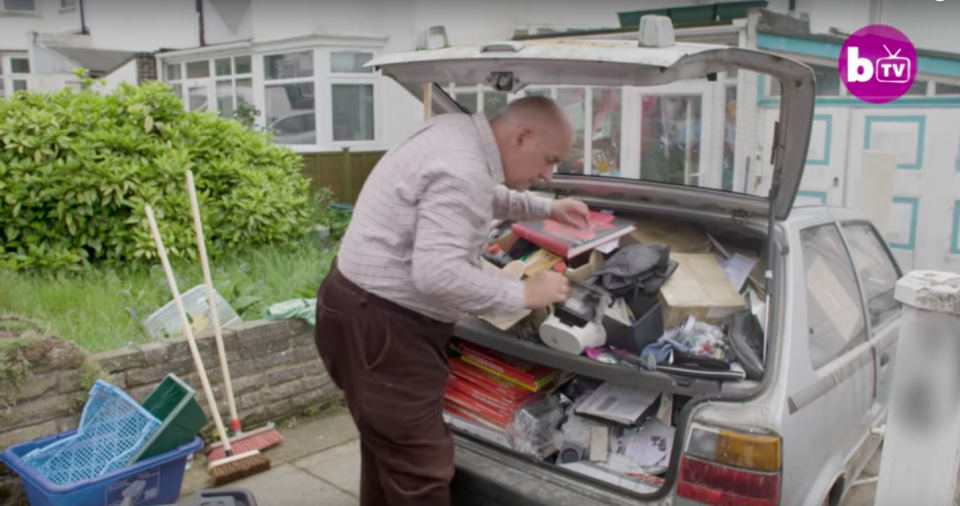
(19, 12)
(9, 78)
(853, 344)
(311, 79)
(885, 247)
(185, 82)
(328, 78)
(68, 5)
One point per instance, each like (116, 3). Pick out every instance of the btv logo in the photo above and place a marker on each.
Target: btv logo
(889, 69)
(877, 64)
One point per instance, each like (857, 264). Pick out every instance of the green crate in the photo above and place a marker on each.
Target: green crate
(174, 403)
(737, 10)
(632, 18)
(694, 14)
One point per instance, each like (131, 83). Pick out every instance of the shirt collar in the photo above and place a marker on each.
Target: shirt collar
(490, 149)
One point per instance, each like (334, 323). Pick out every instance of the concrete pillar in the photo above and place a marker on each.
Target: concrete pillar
(921, 453)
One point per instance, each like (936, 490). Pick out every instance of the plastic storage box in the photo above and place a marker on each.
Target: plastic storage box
(174, 403)
(150, 482)
(113, 428)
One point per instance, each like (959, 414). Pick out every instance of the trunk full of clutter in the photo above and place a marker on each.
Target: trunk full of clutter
(660, 312)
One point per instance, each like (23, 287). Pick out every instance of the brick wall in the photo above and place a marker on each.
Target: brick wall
(274, 366)
(146, 67)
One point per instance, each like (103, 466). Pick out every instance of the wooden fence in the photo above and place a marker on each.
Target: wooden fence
(343, 172)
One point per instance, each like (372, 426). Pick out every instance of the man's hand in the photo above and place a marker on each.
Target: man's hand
(570, 212)
(545, 289)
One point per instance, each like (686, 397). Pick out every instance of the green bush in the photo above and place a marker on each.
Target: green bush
(77, 169)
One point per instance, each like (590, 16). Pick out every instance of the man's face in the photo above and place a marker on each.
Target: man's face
(533, 153)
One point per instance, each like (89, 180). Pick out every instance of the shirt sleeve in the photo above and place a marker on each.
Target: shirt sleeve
(448, 223)
(513, 205)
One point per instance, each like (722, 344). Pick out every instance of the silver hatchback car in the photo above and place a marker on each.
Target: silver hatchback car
(801, 428)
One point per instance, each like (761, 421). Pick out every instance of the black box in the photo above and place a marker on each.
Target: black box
(647, 328)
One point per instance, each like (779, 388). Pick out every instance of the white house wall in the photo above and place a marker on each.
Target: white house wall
(218, 15)
(48, 19)
(142, 25)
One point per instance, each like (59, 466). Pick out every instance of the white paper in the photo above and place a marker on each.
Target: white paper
(738, 268)
(608, 247)
(648, 447)
(618, 403)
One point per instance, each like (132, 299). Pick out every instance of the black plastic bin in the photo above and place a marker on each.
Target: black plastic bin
(221, 497)
(647, 328)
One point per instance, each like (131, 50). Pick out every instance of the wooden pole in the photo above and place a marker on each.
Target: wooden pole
(427, 101)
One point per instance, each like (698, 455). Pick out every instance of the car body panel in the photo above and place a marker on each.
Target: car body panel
(625, 63)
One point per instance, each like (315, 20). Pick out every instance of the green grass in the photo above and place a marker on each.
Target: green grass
(102, 309)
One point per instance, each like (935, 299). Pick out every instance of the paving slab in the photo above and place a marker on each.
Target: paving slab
(305, 438)
(288, 486)
(338, 466)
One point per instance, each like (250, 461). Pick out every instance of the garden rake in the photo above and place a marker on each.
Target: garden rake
(260, 439)
(234, 466)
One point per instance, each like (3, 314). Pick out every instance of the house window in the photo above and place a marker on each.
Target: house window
(68, 4)
(14, 74)
(221, 84)
(352, 96)
(946, 89)
(290, 97)
(19, 5)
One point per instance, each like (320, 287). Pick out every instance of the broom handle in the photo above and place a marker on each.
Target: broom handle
(198, 362)
(214, 317)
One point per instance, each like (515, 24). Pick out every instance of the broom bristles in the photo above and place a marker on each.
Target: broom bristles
(257, 440)
(237, 467)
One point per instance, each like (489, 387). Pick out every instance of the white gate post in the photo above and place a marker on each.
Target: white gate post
(921, 451)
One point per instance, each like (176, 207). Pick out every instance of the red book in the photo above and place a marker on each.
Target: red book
(569, 242)
(478, 394)
(495, 385)
(533, 377)
(461, 401)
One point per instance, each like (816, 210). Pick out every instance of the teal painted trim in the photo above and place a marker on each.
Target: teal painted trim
(819, 49)
(915, 205)
(828, 118)
(901, 103)
(955, 235)
(921, 122)
(814, 194)
(831, 51)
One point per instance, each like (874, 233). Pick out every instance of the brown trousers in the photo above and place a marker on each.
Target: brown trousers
(391, 364)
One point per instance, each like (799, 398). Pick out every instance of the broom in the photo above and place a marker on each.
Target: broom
(233, 467)
(257, 440)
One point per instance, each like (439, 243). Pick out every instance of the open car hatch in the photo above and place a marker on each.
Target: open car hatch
(512, 66)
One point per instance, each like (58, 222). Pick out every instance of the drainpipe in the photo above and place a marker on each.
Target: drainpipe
(83, 19)
(203, 38)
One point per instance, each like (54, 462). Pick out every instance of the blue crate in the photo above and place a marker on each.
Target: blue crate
(150, 482)
(113, 427)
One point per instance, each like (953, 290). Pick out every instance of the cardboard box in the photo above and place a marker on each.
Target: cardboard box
(700, 288)
(681, 237)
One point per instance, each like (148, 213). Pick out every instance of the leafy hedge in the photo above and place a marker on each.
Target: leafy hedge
(78, 167)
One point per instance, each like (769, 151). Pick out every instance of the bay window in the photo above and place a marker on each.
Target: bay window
(352, 96)
(219, 84)
(14, 74)
(289, 92)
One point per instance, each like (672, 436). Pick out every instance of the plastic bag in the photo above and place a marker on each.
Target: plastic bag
(532, 427)
(303, 309)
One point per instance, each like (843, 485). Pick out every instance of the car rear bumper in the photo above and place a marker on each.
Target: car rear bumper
(488, 476)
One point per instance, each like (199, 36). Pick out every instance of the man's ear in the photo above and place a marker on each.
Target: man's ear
(523, 136)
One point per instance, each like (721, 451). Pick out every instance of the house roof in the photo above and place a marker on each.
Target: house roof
(94, 60)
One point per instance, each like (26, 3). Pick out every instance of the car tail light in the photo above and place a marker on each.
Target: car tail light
(726, 468)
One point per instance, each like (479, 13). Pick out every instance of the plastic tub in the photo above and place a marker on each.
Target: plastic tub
(174, 403)
(151, 482)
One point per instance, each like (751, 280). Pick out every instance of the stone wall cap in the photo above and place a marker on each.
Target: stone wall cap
(930, 291)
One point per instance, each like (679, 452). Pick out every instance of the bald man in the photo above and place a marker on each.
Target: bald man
(409, 267)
